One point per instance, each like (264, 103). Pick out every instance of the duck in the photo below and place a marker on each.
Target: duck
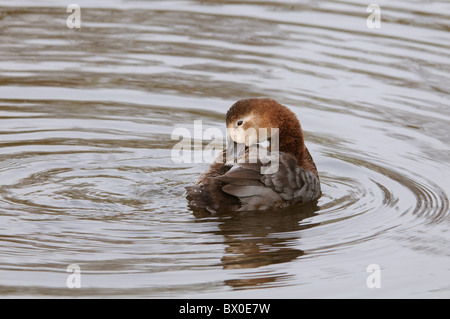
(265, 164)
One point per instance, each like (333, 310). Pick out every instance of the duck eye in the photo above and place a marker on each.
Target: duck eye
(240, 122)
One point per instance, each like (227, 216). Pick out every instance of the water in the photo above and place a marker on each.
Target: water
(86, 175)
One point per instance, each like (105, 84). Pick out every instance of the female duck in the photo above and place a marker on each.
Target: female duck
(248, 183)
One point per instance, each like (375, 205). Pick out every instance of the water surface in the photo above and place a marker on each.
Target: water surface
(87, 178)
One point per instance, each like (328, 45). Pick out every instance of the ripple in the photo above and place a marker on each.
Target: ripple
(369, 202)
(86, 175)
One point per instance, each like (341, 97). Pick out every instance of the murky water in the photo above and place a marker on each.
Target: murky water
(87, 178)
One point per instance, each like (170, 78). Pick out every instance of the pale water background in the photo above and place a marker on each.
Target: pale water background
(86, 177)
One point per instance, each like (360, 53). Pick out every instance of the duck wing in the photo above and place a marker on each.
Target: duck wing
(273, 184)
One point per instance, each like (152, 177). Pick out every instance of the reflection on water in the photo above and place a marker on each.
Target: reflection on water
(86, 175)
(257, 239)
(249, 237)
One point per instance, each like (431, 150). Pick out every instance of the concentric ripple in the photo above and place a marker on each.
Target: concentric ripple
(87, 178)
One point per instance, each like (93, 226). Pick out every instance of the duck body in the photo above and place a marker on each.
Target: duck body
(259, 178)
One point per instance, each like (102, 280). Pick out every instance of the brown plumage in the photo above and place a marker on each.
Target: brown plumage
(240, 186)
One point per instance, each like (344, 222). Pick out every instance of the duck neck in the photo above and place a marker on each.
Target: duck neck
(291, 141)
